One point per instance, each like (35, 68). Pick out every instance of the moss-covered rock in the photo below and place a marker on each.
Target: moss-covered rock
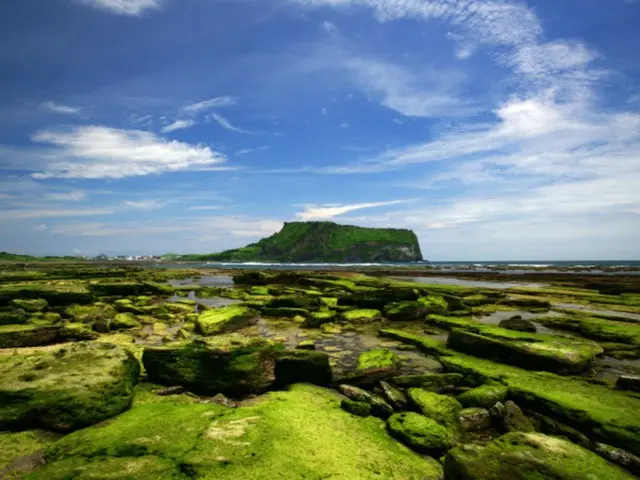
(485, 396)
(229, 364)
(292, 301)
(13, 316)
(29, 305)
(128, 289)
(317, 319)
(123, 321)
(434, 304)
(180, 308)
(361, 409)
(395, 397)
(302, 366)
(519, 324)
(404, 311)
(424, 343)
(420, 433)
(528, 456)
(99, 315)
(380, 358)
(361, 316)
(66, 389)
(289, 435)
(607, 415)
(55, 295)
(445, 410)
(473, 419)
(225, 319)
(379, 407)
(21, 451)
(18, 336)
(288, 312)
(428, 381)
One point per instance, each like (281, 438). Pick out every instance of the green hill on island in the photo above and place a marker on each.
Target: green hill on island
(324, 242)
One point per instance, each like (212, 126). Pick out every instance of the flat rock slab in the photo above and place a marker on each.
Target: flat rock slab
(66, 389)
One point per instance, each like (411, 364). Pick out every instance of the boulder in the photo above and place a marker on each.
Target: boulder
(445, 410)
(428, 381)
(123, 321)
(225, 319)
(29, 305)
(66, 389)
(473, 419)
(509, 418)
(524, 456)
(519, 324)
(317, 319)
(434, 304)
(361, 409)
(485, 396)
(404, 311)
(361, 316)
(302, 366)
(395, 397)
(380, 358)
(19, 336)
(420, 433)
(379, 407)
(231, 364)
(13, 316)
(297, 434)
(289, 312)
(627, 382)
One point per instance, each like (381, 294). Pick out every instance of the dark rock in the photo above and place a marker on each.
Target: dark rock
(618, 456)
(519, 324)
(379, 407)
(473, 419)
(395, 397)
(164, 392)
(625, 382)
(302, 366)
(361, 409)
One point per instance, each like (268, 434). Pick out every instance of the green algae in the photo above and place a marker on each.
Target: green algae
(380, 358)
(485, 396)
(362, 315)
(224, 319)
(361, 409)
(420, 433)
(443, 409)
(426, 344)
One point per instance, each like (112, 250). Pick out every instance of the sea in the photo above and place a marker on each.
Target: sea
(609, 267)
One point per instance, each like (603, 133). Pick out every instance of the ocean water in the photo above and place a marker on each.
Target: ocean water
(507, 267)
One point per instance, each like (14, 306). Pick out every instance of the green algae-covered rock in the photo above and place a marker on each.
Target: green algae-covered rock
(229, 364)
(68, 388)
(395, 397)
(317, 319)
(55, 295)
(122, 321)
(13, 316)
(292, 301)
(288, 312)
(16, 445)
(528, 456)
(604, 414)
(428, 381)
(361, 316)
(302, 366)
(126, 289)
(180, 308)
(97, 314)
(445, 410)
(288, 435)
(424, 343)
(380, 358)
(434, 304)
(379, 407)
(29, 305)
(420, 433)
(18, 336)
(403, 311)
(485, 396)
(473, 419)
(224, 319)
(360, 409)
(518, 324)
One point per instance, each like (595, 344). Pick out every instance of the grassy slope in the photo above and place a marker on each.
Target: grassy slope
(322, 241)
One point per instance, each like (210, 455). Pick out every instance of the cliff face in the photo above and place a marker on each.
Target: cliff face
(326, 242)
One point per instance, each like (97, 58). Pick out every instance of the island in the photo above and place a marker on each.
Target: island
(323, 242)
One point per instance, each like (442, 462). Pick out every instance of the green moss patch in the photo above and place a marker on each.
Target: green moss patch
(224, 319)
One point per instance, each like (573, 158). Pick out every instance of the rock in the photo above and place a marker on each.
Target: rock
(317, 319)
(524, 456)
(297, 434)
(379, 407)
(519, 324)
(124, 320)
(306, 345)
(557, 355)
(404, 311)
(55, 295)
(97, 313)
(509, 418)
(377, 359)
(179, 308)
(428, 381)
(163, 392)
(288, 312)
(361, 409)
(29, 305)
(395, 397)
(618, 456)
(420, 433)
(485, 396)
(225, 319)
(424, 343)
(526, 301)
(445, 410)
(66, 389)
(302, 366)
(473, 419)
(220, 399)
(125, 289)
(231, 364)
(19, 336)
(626, 382)
(361, 316)
(331, 328)
(292, 301)
(13, 316)
(434, 304)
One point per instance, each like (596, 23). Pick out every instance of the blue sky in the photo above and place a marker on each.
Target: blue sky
(494, 129)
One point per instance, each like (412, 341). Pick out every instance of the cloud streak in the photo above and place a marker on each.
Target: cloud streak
(133, 8)
(57, 108)
(178, 125)
(319, 212)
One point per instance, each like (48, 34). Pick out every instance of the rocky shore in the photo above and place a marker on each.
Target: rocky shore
(131, 373)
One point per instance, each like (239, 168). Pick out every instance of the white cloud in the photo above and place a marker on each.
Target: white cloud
(144, 204)
(93, 152)
(246, 151)
(205, 105)
(24, 214)
(60, 109)
(178, 125)
(225, 123)
(205, 207)
(329, 27)
(73, 196)
(124, 7)
(315, 212)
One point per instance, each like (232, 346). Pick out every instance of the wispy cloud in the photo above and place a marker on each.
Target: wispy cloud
(144, 204)
(246, 151)
(24, 214)
(60, 109)
(318, 212)
(205, 207)
(224, 123)
(73, 196)
(93, 152)
(124, 7)
(212, 103)
(178, 125)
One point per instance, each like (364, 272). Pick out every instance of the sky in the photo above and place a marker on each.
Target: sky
(495, 129)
